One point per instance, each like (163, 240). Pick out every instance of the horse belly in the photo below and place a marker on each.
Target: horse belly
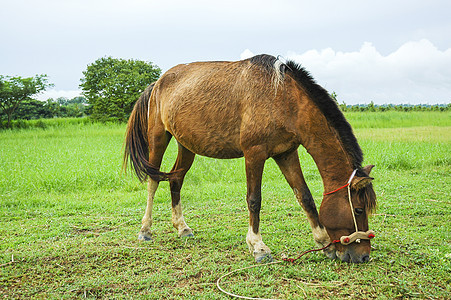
(211, 148)
(210, 142)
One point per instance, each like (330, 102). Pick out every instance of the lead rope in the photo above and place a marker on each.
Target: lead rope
(292, 260)
(348, 185)
(350, 201)
(242, 269)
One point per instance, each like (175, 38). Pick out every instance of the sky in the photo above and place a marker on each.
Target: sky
(386, 51)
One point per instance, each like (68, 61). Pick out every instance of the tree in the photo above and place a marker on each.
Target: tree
(112, 86)
(14, 90)
(31, 109)
(75, 107)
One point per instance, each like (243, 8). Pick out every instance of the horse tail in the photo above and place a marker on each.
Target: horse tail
(137, 141)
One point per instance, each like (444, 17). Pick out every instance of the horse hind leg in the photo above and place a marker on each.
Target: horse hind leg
(183, 163)
(144, 233)
(159, 142)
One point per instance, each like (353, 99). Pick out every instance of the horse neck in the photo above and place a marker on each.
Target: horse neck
(322, 143)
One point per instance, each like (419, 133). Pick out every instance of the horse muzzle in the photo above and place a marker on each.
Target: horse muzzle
(356, 247)
(351, 256)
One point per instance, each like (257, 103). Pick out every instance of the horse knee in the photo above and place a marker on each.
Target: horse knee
(254, 204)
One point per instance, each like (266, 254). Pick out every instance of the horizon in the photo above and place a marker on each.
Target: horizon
(338, 101)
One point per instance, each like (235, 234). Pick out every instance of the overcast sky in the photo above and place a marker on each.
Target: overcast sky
(382, 51)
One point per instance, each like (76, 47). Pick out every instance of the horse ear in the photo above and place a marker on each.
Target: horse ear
(360, 182)
(367, 169)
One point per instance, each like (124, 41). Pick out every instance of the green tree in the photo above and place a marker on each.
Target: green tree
(15, 90)
(112, 86)
(31, 109)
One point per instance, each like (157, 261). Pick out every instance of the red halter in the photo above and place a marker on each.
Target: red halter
(357, 235)
(346, 239)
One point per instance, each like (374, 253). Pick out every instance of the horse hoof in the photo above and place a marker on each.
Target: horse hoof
(186, 233)
(263, 258)
(144, 236)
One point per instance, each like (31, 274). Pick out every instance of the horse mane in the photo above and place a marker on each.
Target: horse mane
(329, 109)
(368, 197)
(271, 66)
(269, 63)
(320, 97)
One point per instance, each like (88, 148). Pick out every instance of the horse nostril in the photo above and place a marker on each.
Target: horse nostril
(366, 258)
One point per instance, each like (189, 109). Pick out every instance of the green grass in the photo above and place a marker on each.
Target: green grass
(396, 119)
(69, 219)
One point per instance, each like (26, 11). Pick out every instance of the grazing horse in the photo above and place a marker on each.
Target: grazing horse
(258, 108)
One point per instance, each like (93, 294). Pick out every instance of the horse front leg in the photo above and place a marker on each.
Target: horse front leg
(291, 169)
(254, 171)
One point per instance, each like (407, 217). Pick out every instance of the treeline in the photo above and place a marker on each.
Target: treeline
(391, 107)
(32, 109)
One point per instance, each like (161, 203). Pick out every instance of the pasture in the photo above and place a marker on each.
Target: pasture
(69, 219)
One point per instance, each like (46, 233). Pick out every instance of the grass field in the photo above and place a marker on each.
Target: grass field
(69, 220)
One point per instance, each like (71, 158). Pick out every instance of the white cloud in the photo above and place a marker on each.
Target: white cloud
(246, 54)
(415, 73)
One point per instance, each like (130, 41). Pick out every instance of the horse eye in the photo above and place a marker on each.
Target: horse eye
(358, 211)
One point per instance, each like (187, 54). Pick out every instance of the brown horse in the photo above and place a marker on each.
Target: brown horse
(258, 108)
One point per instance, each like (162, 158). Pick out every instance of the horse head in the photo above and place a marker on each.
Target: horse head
(344, 213)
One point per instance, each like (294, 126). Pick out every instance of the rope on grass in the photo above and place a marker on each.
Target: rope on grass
(292, 260)
(242, 269)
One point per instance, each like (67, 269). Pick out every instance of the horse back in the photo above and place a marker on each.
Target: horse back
(216, 109)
